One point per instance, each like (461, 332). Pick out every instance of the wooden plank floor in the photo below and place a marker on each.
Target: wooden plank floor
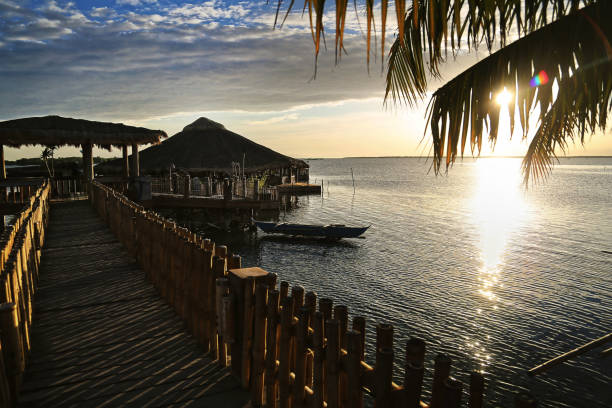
(102, 337)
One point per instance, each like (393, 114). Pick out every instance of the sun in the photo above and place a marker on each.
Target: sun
(504, 97)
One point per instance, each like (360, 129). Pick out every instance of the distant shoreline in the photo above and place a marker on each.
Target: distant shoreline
(431, 157)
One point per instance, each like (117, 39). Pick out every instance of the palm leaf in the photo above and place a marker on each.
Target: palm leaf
(574, 52)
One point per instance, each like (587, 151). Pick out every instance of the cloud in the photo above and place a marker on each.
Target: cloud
(135, 2)
(111, 63)
(103, 12)
(275, 119)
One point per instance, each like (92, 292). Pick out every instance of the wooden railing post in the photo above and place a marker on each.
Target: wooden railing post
(413, 373)
(271, 383)
(442, 366)
(332, 359)
(353, 369)
(259, 345)
(284, 356)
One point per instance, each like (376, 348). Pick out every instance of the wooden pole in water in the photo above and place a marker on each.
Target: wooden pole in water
(353, 177)
(577, 351)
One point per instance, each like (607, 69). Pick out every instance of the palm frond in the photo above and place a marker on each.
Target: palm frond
(573, 52)
(582, 106)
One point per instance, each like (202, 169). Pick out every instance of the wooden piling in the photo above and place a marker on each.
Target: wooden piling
(384, 377)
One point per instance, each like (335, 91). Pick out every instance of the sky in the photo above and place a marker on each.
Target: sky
(162, 64)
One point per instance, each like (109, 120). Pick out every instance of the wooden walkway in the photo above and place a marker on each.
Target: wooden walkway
(102, 337)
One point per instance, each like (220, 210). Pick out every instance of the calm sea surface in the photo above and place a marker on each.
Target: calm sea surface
(499, 278)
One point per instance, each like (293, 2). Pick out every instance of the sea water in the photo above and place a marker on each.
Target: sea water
(498, 277)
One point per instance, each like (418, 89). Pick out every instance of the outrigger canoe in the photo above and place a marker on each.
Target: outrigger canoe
(335, 231)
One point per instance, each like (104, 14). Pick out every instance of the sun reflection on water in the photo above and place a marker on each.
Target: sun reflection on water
(499, 209)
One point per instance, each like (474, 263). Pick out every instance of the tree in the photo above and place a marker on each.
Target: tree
(47, 154)
(560, 63)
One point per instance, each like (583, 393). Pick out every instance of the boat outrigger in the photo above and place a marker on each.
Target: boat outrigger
(333, 231)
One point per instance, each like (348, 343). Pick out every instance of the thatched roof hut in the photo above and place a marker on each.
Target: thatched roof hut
(207, 146)
(59, 131)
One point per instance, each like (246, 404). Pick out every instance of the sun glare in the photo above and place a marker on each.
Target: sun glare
(504, 97)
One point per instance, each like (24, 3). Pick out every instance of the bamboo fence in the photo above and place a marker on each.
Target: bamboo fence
(19, 266)
(286, 346)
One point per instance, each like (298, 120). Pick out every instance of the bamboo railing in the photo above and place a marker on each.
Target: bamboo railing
(287, 347)
(19, 265)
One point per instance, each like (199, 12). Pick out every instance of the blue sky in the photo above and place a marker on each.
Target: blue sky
(162, 64)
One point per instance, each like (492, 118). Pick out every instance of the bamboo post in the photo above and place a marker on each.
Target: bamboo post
(476, 390)
(414, 370)
(341, 315)
(332, 357)
(442, 366)
(284, 290)
(359, 325)
(227, 311)
(310, 301)
(299, 392)
(319, 360)
(325, 306)
(205, 301)
(272, 348)
(220, 291)
(11, 340)
(452, 390)
(247, 331)
(384, 377)
(353, 369)
(297, 293)
(285, 353)
(259, 345)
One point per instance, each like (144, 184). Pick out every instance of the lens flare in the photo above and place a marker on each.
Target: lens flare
(504, 97)
(540, 79)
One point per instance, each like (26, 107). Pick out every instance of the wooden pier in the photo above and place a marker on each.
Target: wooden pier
(149, 314)
(102, 336)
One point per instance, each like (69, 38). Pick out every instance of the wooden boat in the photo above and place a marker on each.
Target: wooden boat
(335, 231)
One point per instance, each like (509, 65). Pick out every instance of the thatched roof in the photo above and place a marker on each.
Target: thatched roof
(59, 131)
(206, 145)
